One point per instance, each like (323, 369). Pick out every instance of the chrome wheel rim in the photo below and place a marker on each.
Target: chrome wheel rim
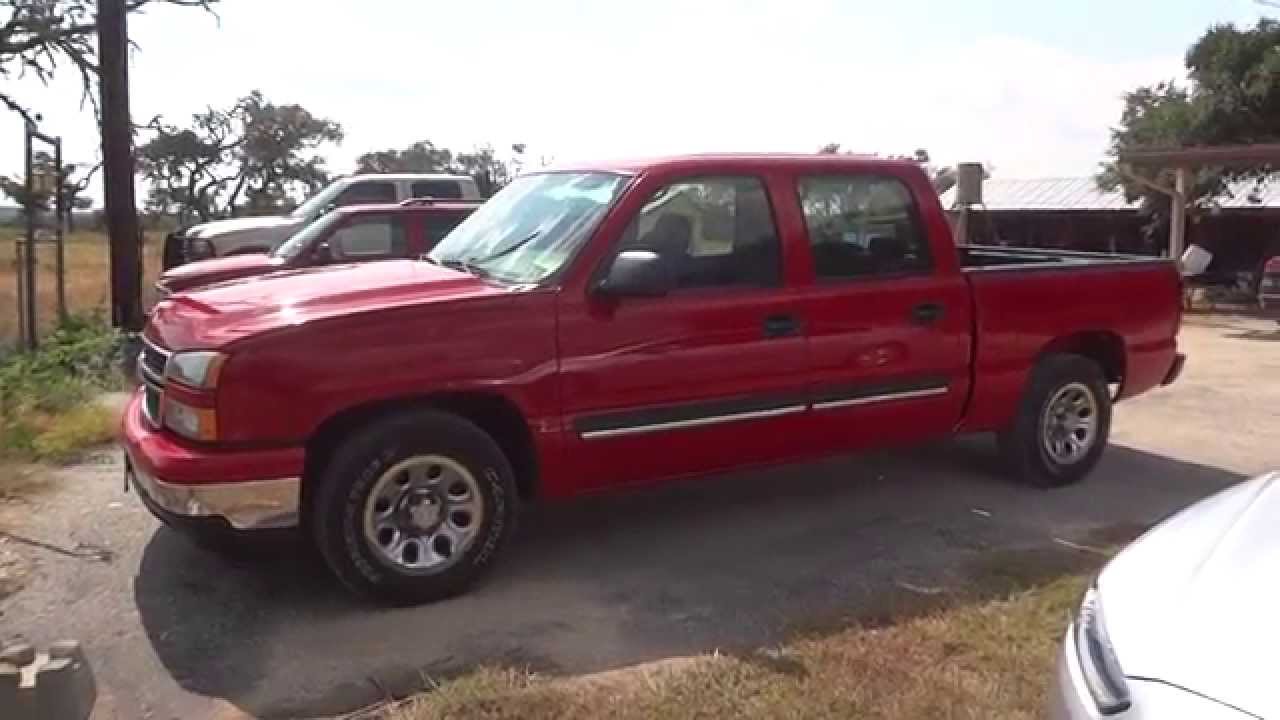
(423, 514)
(1069, 424)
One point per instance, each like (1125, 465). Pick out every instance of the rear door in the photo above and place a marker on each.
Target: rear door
(708, 377)
(888, 313)
(434, 225)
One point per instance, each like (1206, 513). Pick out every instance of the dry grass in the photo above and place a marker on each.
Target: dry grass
(87, 277)
(988, 659)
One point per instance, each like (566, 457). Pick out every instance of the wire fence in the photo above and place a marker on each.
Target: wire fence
(86, 278)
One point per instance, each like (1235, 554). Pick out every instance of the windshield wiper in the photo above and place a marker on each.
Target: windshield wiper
(462, 265)
(506, 250)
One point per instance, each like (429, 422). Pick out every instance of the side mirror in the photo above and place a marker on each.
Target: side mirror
(636, 273)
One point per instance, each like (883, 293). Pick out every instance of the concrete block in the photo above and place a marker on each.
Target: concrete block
(53, 685)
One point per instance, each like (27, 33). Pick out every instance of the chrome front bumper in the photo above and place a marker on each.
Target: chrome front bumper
(253, 505)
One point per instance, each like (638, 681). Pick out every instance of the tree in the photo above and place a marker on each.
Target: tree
(40, 199)
(490, 172)
(420, 157)
(1233, 96)
(187, 168)
(277, 158)
(38, 35)
(254, 150)
(73, 188)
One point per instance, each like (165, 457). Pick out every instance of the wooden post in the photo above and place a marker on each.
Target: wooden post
(29, 331)
(1178, 216)
(117, 166)
(58, 210)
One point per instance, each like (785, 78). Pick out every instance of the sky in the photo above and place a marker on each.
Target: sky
(1029, 87)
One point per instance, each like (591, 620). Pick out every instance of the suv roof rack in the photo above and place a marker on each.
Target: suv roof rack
(425, 200)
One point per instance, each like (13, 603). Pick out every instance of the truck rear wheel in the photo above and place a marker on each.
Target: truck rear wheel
(1062, 423)
(414, 508)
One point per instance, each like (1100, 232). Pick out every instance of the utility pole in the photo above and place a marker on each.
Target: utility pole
(118, 166)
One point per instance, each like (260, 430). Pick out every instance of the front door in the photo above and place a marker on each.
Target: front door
(888, 312)
(708, 377)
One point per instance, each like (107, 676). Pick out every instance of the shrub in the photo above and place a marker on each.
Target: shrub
(47, 397)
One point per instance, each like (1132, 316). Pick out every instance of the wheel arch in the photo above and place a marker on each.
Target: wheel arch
(1104, 347)
(492, 412)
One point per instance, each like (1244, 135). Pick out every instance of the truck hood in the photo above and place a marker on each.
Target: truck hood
(207, 272)
(218, 228)
(221, 314)
(1194, 602)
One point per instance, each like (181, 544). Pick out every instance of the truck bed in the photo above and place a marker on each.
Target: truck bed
(992, 257)
(1028, 301)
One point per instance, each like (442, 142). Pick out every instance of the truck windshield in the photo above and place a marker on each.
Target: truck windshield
(305, 237)
(315, 205)
(532, 227)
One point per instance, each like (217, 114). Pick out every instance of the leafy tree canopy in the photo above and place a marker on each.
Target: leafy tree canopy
(255, 155)
(490, 171)
(1232, 97)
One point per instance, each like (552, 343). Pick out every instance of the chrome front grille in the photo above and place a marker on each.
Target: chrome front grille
(151, 366)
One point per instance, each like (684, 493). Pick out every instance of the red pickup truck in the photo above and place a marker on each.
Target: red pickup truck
(626, 323)
(355, 233)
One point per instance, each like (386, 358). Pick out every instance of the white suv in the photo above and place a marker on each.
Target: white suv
(260, 234)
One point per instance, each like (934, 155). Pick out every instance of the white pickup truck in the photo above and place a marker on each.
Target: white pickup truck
(262, 233)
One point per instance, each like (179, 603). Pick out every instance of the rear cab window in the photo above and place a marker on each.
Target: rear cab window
(863, 225)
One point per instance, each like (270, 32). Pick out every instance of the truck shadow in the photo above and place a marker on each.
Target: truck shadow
(733, 562)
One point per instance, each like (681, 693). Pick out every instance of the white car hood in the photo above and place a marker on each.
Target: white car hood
(235, 225)
(1196, 601)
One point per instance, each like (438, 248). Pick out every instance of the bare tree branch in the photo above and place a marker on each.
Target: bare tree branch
(39, 33)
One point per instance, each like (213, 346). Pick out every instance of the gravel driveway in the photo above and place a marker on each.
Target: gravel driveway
(735, 561)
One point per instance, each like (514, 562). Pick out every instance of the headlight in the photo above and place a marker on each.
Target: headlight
(198, 369)
(198, 249)
(1098, 663)
(190, 422)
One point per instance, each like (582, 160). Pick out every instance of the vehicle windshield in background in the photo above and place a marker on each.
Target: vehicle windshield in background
(314, 206)
(302, 239)
(532, 227)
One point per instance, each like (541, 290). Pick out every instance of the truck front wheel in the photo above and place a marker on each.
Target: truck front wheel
(414, 508)
(1062, 423)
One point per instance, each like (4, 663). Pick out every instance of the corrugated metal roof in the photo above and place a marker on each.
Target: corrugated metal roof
(1070, 193)
(1082, 193)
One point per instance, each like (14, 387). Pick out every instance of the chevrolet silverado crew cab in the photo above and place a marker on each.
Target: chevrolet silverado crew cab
(260, 234)
(615, 324)
(355, 233)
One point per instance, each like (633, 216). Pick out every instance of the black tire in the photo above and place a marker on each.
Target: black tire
(1023, 444)
(337, 505)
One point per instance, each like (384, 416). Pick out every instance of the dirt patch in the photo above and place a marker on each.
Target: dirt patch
(13, 568)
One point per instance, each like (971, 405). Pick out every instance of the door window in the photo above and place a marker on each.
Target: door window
(862, 225)
(369, 237)
(366, 193)
(711, 232)
(438, 224)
